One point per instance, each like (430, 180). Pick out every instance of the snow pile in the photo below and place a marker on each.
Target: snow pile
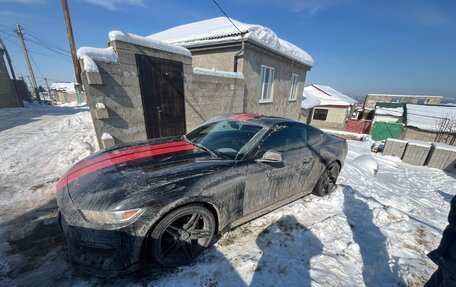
(64, 87)
(217, 73)
(220, 30)
(38, 145)
(347, 135)
(395, 112)
(148, 42)
(372, 231)
(328, 96)
(309, 100)
(367, 162)
(71, 104)
(100, 106)
(428, 117)
(89, 55)
(106, 136)
(89, 65)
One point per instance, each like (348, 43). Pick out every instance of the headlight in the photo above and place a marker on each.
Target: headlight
(111, 217)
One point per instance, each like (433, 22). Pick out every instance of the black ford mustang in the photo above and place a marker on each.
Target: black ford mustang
(167, 199)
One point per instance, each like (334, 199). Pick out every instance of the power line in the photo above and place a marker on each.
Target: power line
(7, 27)
(226, 15)
(47, 42)
(36, 66)
(49, 48)
(49, 55)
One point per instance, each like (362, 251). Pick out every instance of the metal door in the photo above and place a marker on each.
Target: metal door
(162, 92)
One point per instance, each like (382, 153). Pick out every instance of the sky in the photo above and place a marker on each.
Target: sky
(359, 46)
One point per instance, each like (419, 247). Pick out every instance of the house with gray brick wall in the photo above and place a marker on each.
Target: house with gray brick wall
(8, 95)
(170, 82)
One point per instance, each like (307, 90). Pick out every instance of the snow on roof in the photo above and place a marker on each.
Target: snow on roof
(64, 87)
(395, 112)
(328, 96)
(403, 96)
(309, 101)
(220, 30)
(217, 73)
(427, 117)
(148, 42)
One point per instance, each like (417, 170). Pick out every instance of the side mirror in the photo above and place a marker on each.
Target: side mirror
(271, 157)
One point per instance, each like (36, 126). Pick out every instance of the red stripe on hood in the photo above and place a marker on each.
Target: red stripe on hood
(115, 154)
(116, 158)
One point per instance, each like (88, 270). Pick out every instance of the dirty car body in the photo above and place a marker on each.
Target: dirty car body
(234, 167)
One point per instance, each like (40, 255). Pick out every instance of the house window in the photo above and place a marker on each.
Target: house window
(294, 87)
(320, 114)
(266, 84)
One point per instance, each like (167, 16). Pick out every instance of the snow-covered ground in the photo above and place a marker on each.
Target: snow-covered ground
(373, 230)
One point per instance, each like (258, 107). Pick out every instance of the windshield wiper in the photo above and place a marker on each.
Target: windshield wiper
(213, 154)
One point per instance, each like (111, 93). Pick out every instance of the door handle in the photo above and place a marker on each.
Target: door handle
(159, 111)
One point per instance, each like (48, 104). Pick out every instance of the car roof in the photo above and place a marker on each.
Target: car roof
(263, 120)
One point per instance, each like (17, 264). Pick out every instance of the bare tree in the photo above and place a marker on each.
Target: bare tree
(447, 130)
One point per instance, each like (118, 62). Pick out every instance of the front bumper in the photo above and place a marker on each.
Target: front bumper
(97, 250)
(104, 253)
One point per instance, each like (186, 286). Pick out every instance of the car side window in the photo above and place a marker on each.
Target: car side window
(314, 137)
(285, 138)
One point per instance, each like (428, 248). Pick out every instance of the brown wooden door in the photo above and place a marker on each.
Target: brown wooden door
(162, 92)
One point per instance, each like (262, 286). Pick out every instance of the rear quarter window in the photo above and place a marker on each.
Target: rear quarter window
(314, 136)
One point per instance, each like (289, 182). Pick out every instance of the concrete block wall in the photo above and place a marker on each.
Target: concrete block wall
(416, 153)
(371, 100)
(8, 98)
(394, 147)
(442, 156)
(328, 125)
(411, 133)
(120, 92)
(117, 88)
(221, 59)
(210, 96)
(432, 101)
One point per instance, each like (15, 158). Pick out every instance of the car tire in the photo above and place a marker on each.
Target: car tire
(182, 235)
(327, 181)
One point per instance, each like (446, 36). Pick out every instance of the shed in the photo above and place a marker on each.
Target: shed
(334, 107)
(430, 123)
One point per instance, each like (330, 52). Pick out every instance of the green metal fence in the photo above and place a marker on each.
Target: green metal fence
(383, 130)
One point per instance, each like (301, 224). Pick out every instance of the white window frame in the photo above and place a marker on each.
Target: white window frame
(266, 90)
(294, 87)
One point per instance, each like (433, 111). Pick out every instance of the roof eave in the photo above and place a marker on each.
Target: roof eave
(222, 42)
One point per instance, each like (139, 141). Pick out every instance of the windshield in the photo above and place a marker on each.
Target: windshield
(224, 137)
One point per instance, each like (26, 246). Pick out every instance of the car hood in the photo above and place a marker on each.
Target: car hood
(111, 179)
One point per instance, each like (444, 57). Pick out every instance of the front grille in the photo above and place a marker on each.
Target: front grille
(95, 251)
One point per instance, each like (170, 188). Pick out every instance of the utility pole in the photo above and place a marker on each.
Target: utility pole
(49, 89)
(69, 28)
(47, 85)
(13, 75)
(30, 81)
(27, 59)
